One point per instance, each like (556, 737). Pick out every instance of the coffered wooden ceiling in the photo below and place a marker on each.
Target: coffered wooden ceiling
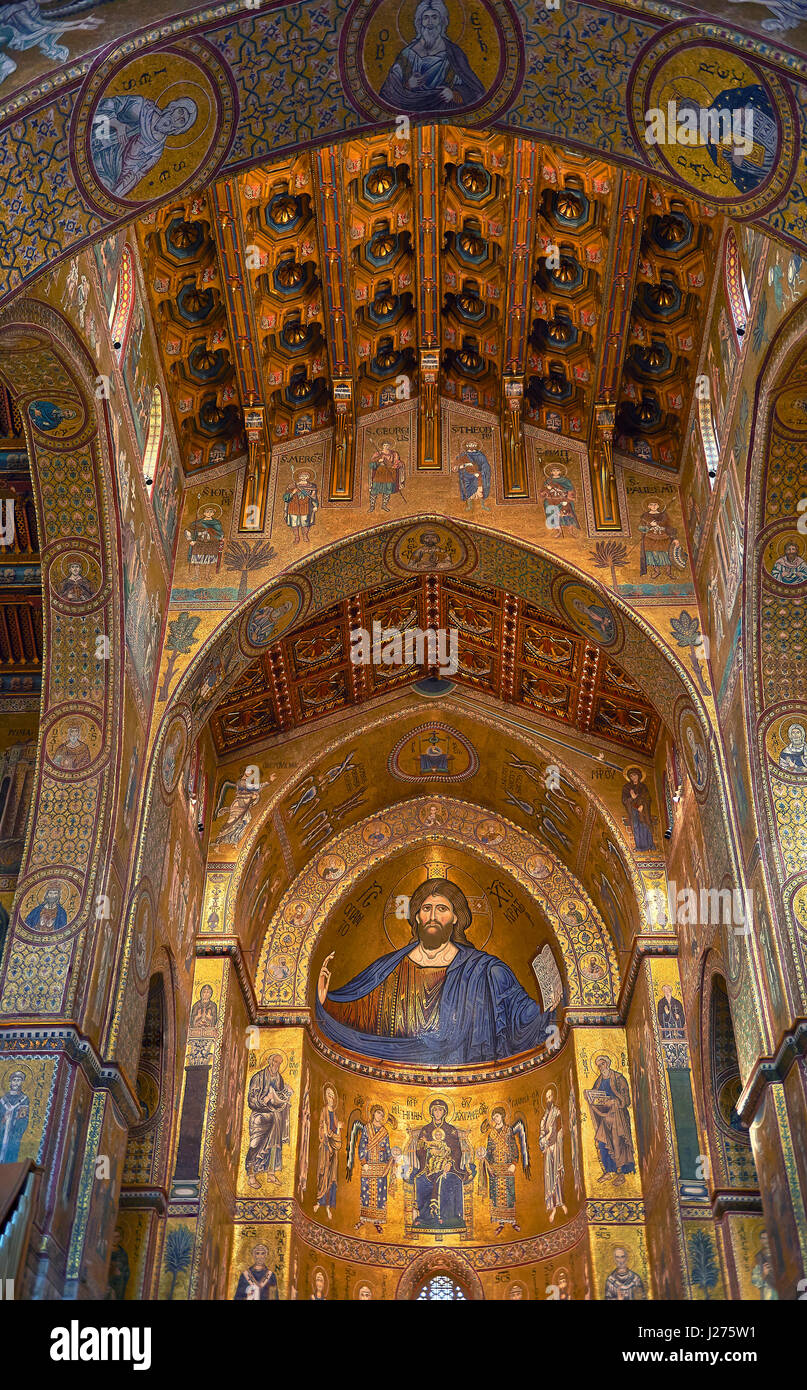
(506, 648)
(480, 267)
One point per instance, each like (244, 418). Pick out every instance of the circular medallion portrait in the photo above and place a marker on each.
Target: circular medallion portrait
(273, 616)
(786, 744)
(429, 548)
(490, 832)
(141, 941)
(173, 754)
(537, 867)
(431, 57)
(723, 126)
(331, 867)
(696, 757)
(589, 613)
(160, 123)
(56, 417)
(50, 905)
(73, 743)
(376, 834)
(791, 410)
(784, 560)
(75, 578)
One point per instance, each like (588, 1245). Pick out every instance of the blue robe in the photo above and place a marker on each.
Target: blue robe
(485, 1015)
(60, 920)
(469, 482)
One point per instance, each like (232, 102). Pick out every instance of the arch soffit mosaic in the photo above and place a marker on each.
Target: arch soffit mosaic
(222, 52)
(301, 932)
(774, 692)
(42, 360)
(604, 818)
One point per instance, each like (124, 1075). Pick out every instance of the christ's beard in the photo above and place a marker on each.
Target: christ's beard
(432, 937)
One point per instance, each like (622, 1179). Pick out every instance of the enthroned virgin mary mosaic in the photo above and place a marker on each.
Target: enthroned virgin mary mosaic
(436, 1001)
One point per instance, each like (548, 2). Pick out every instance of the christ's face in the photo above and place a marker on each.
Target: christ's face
(435, 921)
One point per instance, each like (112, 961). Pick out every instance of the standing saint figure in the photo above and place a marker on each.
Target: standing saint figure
(328, 1158)
(623, 1283)
(609, 1103)
(305, 1133)
(370, 1141)
(550, 1142)
(240, 813)
(558, 496)
(387, 475)
(257, 1281)
(636, 800)
(206, 536)
(269, 1099)
(671, 1015)
(301, 503)
(506, 1144)
(658, 540)
(431, 73)
(474, 475)
(14, 1112)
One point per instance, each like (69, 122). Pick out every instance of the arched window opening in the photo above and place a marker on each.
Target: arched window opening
(441, 1288)
(120, 312)
(711, 444)
(154, 439)
(737, 291)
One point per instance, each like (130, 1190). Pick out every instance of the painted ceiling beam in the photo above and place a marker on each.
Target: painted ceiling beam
(232, 253)
(524, 183)
(623, 262)
(332, 224)
(426, 176)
